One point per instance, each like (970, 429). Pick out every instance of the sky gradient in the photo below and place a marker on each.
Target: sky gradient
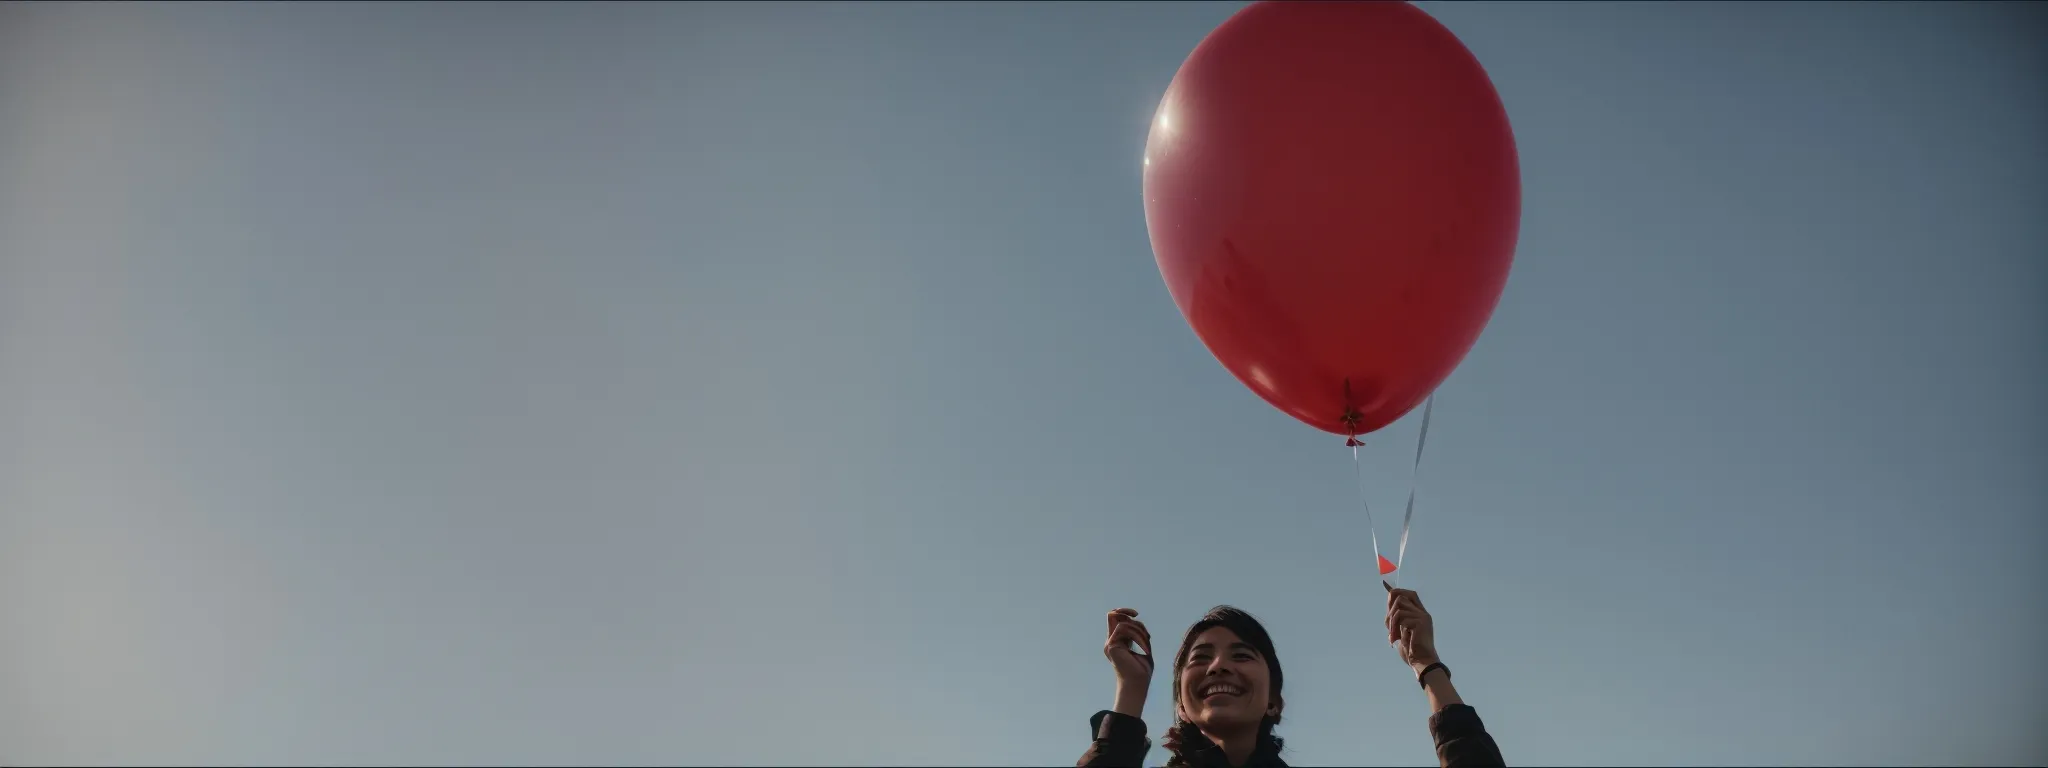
(778, 384)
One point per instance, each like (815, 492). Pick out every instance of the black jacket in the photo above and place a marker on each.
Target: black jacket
(1461, 742)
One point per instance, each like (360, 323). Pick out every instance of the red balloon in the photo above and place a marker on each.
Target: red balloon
(1333, 197)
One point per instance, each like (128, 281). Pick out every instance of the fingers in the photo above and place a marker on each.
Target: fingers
(1401, 594)
(1407, 615)
(1121, 614)
(1403, 630)
(1120, 638)
(1402, 600)
(1405, 619)
(1131, 633)
(1126, 630)
(1123, 638)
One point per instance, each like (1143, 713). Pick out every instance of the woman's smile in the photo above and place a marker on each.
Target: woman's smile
(1218, 691)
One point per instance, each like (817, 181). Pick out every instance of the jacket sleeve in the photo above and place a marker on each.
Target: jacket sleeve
(1119, 742)
(1461, 739)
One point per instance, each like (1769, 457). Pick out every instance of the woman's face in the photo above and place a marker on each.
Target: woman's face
(1225, 685)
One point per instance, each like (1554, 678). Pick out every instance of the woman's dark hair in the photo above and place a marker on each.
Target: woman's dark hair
(1184, 738)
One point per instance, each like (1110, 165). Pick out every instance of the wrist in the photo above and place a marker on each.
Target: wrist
(1418, 665)
(1130, 701)
(1436, 684)
(1433, 676)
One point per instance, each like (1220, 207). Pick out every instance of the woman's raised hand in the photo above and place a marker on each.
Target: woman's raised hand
(1410, 628)
(1133, 670)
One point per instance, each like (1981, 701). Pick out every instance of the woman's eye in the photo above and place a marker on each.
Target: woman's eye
(1244, 657)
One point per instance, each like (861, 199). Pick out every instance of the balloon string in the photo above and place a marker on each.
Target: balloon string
(1421, 439)
(1358, 469)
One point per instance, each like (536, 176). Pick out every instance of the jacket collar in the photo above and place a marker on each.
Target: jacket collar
(1213, 757)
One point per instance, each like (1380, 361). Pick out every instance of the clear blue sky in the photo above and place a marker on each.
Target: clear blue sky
(792, 384)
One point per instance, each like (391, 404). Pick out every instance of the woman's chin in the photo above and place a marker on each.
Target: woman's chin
(1226, 718)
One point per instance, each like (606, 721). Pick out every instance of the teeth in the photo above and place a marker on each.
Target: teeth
(1216, 689)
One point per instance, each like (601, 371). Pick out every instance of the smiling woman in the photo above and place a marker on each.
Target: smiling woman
(1227, 679)
(1226, 690)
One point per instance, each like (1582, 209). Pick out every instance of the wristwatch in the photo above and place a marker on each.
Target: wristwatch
(1421, 677)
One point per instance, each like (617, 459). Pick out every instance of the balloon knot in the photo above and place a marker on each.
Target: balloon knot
(1352, 442)
(1351, 417)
